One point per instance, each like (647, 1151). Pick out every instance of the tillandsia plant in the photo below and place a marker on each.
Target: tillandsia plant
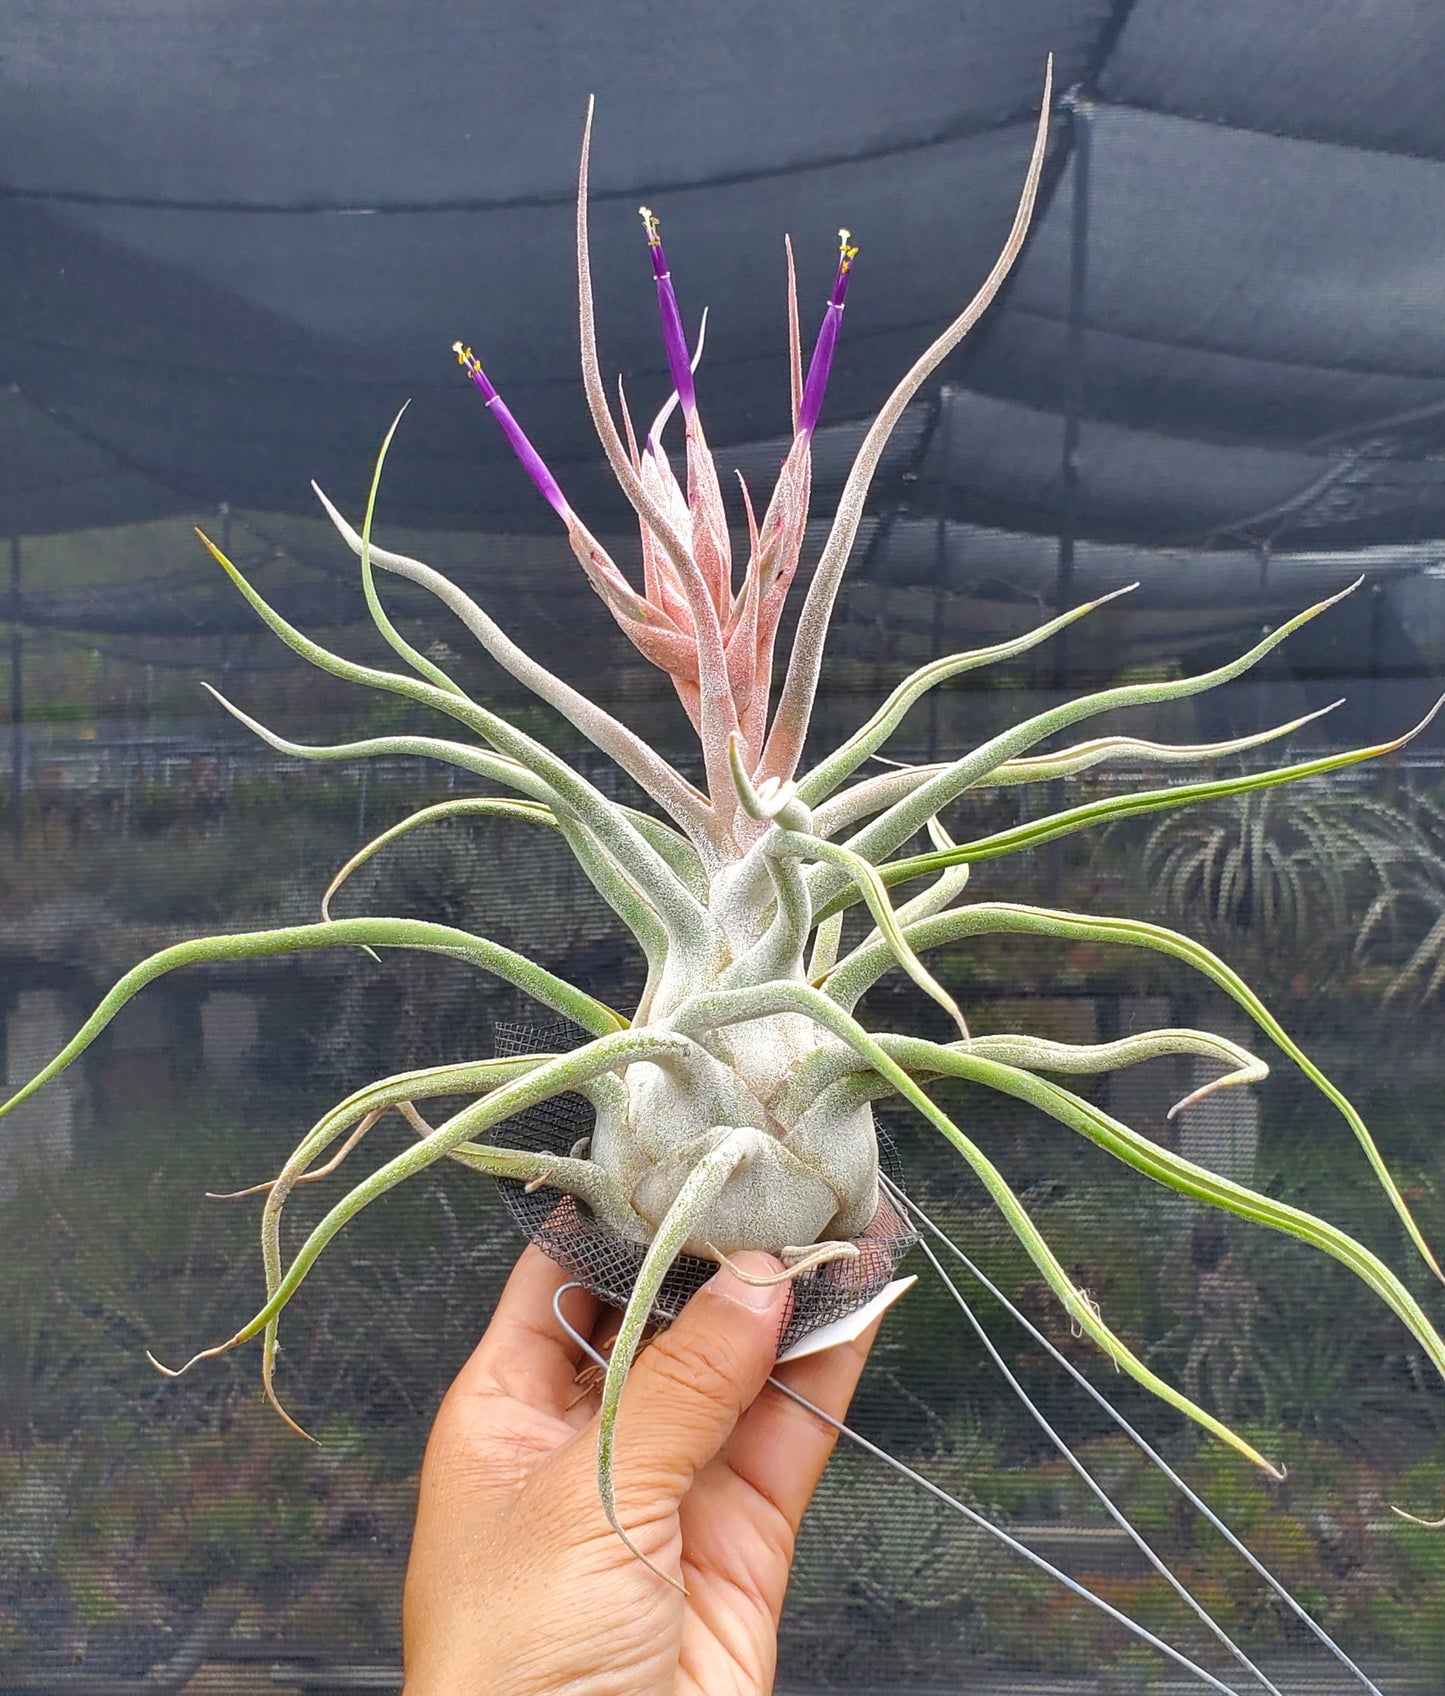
(732, 1109)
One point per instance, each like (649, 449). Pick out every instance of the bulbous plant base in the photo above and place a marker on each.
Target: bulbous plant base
(568, 1233)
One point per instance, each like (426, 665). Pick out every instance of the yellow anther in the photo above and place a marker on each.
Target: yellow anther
(466, 358)
(649, 223)
(846, 254)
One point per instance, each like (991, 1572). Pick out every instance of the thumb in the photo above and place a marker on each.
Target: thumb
(688, 1389)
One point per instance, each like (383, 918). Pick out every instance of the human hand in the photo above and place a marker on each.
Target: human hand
(518, 1585)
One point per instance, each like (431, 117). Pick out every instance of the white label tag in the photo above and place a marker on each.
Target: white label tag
(852, 1325)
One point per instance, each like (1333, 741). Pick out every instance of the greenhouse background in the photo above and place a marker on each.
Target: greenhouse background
(234, 240)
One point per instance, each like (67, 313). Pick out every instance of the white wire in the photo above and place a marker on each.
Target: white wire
(1092, 1484)
(1194, 1499)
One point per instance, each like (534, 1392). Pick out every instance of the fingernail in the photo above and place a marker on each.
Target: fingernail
(757, 1298)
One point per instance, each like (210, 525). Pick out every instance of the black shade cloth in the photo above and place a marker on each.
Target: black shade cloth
(236, 239)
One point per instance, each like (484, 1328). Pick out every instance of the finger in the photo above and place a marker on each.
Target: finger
(780, 1448)
(525, 1352)
(688, 1389)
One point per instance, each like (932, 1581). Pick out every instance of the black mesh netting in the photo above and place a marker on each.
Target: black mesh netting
(567, 1232)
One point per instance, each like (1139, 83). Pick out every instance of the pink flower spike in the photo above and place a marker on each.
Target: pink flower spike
(821, 362)
(673, 339)
(516, 436)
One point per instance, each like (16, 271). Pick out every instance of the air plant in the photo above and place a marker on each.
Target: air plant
(733, 1107)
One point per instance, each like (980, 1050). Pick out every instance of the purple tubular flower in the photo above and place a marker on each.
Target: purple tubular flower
(821, 362)
(673, 338)
(512, 430)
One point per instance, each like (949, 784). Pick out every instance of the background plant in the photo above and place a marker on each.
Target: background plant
(1320, 880)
